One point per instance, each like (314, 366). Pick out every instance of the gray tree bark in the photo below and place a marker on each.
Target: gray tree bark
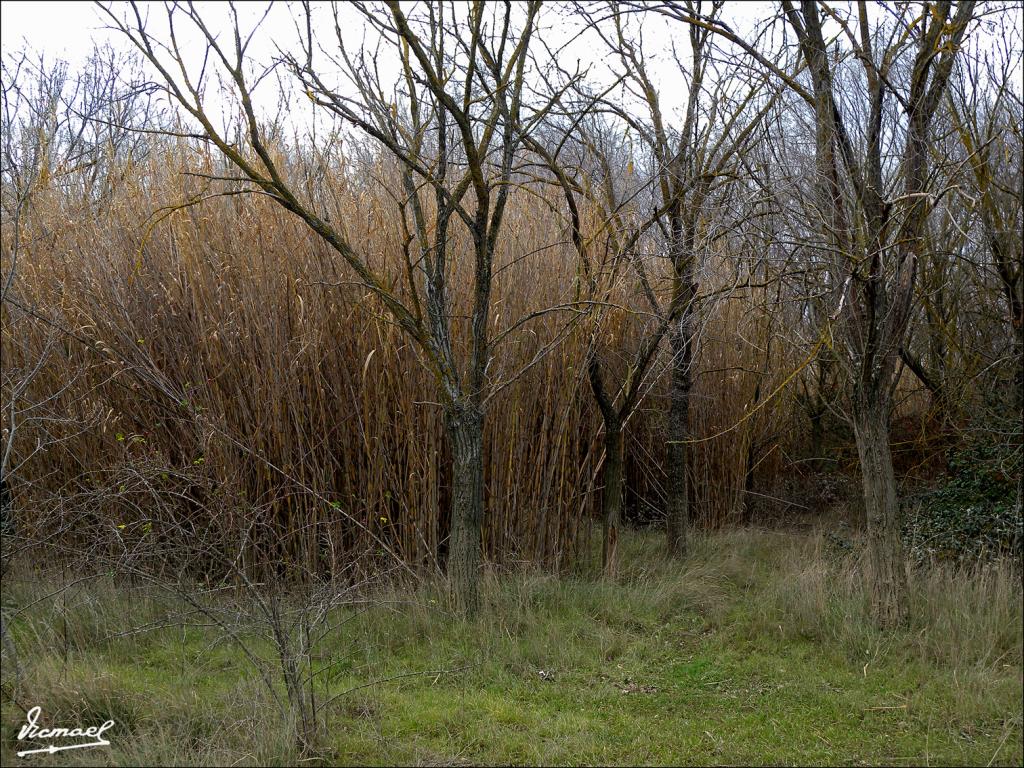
(678, 434)
(885, 550)
(466, 435)
(681, 335)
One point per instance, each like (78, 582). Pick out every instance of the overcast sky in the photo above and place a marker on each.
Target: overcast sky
(69, 30)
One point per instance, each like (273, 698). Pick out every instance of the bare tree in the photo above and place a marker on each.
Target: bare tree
(692, 167)
(876, 229)
(454, 121)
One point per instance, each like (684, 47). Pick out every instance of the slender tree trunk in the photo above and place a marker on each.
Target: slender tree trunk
(678, 433)
(1018, 507)
(1018, 380)
(465, 434)
(613, 468)
(611, 500)
(885, 549)
(747, 503)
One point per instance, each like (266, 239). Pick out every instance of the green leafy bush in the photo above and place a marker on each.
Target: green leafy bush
(971, 515)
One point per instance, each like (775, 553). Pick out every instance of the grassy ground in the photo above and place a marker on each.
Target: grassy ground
(755, 650)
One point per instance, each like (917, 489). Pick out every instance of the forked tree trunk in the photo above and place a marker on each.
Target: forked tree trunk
(611, 499)
(465, 434)
(678, 434)
(885, 549)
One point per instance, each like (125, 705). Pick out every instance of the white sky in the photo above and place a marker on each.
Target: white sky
(68, 30)
(63, 29)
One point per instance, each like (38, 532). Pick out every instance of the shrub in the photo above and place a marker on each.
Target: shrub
(971, 515)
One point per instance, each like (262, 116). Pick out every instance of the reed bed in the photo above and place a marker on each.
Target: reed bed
(215, 363)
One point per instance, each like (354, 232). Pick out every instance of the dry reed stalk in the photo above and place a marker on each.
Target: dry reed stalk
(233, 306)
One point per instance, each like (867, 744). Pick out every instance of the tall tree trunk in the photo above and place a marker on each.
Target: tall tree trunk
(613, 469)
(885, 549)
(611, 499)
(465, 434)
(678, 433)
(684, 292)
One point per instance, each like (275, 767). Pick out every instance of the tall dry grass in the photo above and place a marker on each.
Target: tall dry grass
(216, 364)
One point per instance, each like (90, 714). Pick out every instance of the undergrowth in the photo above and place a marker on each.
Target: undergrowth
(757, 648)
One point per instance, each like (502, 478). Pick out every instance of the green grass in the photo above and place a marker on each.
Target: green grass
(754, 650)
